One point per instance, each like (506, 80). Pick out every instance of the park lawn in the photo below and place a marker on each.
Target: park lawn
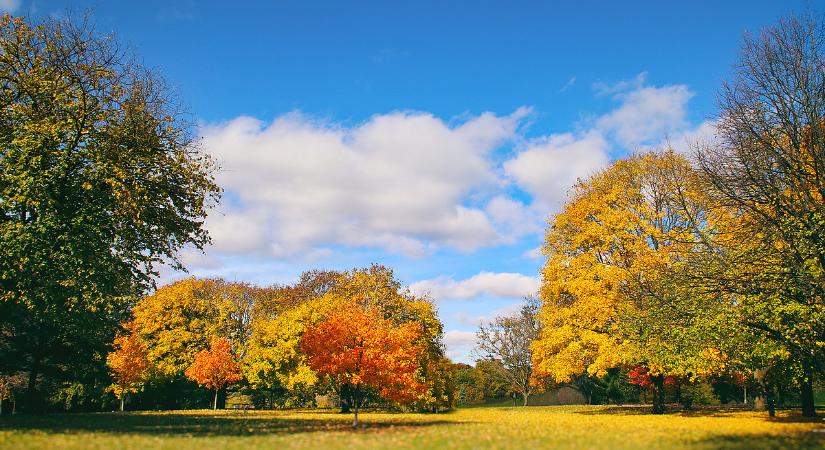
(562, 427)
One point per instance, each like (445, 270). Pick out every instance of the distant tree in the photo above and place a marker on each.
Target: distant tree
(215, 368)
(179, 319)
(128, 363)
(276, 361)
(356, 346)
(508, 340)
(100, 182)
(11, 386)
(483, 382)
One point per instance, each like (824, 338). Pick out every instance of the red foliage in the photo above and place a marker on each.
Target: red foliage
(640, 376)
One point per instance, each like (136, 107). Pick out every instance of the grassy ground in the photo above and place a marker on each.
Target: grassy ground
(534, 427)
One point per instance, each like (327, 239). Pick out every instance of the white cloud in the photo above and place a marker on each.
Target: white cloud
(476, 320)
(686, 141)
(646, 113)
(501, 284)
(459, 344)
(533, 253)
(399, 181)
(568, 85)
(10, 5)
(548, 168)
(604, 88)
(411, 183)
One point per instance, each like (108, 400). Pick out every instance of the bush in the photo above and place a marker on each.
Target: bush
(700, 393)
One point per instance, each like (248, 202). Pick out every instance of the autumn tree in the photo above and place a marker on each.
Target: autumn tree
(216, 367)
(275, 359)
(613, 284)
(179, 319)
(376, 287)
(100, 181)
(767, 166)
(509, 339)
(128, 363)
(358, 347)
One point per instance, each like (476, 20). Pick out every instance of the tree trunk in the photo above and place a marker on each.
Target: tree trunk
(807, 392)
(1, 405)
(356, 403)
(766, 398)
(355, 420)
(344, 396)
(215, 402)
(745, 393)
(31, 386)
(121, 402)
(526, 398)
(658, 393)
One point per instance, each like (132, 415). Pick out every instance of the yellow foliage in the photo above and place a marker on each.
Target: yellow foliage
(612, 255)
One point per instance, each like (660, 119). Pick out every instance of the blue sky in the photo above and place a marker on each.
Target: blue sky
(434, 137)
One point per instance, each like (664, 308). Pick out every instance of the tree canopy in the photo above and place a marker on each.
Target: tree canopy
(100, 181)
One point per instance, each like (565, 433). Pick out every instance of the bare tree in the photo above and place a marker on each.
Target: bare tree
(507, 340)
(768, 166)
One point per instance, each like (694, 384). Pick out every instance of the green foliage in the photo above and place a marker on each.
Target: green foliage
(99, 183)
(483, 383)
(698, 393)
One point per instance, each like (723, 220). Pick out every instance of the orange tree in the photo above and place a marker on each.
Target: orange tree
(358, 347)
(215, 368)
(128, 363)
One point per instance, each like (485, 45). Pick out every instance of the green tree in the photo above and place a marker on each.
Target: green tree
(100, 181)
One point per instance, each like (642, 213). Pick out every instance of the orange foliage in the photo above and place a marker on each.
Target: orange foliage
(128, 363)
(216, 367)
(357, 346)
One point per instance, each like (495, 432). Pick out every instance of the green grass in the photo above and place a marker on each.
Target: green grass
(561, 427)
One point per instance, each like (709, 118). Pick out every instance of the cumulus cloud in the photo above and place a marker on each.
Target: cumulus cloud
(459, 344)
(399, 181)
(411, 183)
(476, 320)
(686, 141)
(501, 284)
(547, 168)
(646, 113)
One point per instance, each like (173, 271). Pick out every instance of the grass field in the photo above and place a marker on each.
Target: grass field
(534, 427)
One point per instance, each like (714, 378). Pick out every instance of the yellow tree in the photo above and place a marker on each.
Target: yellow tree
(215, 368)
(178, 319)
(275, 359)
(610, 286)
(128, 363)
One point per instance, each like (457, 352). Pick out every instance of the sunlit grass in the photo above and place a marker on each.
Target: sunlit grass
(533, 427)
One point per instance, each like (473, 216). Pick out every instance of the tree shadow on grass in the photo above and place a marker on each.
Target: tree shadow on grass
(190, 424)
(800, 441)
(698, 411)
